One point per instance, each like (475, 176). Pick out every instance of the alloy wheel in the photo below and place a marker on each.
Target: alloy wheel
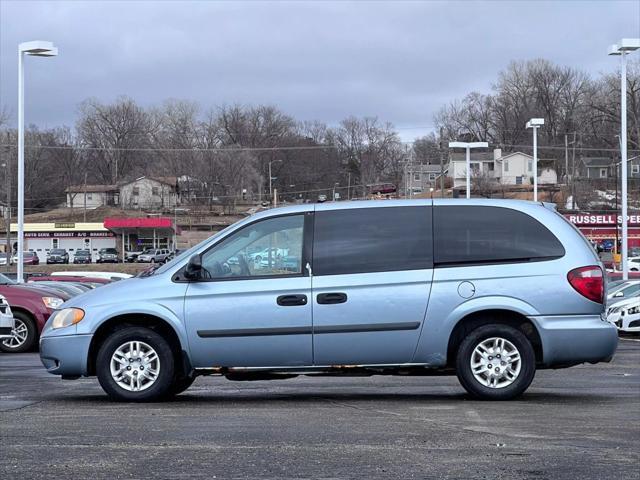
(18, 336)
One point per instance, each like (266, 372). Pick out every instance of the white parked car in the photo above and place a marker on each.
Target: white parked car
(7, 324)
(623, 291)
(625, 315)
(107, 275)
(634, 264)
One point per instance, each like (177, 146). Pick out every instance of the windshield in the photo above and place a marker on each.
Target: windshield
(6, 280)
(109, 250)
(82, 253)
(58, 251)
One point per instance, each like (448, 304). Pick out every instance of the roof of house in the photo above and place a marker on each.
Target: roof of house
(91, 188)
(426, 168)
(597, 161)
(171, 181)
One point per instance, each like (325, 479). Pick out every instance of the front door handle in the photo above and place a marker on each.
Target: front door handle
(292, 300)
(331, 298)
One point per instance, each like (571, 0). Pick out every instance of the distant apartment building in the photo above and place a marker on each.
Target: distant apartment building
(420, 178)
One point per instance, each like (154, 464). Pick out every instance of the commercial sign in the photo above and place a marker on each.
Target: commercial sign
(604, 220)
(68, 234)
(64, 225)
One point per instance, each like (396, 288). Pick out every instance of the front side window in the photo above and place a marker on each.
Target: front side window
(271, 247)
(475, 234)
(362, 240)
(416, 176)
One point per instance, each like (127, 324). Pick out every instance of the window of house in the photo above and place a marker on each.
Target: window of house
(136, 191)
(529, 165)
(416, 176)
(475, 234)
(362, 240)
(155, 191)
(491, 167)
(603, 173)
(432, 176)
(271, 247)
(506, 165)
(635, 168)
(89, 196)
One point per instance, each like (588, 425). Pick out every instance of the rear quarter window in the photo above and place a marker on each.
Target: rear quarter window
(476, 234)
(362, 240)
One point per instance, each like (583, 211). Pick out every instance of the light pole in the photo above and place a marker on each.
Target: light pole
(36, 48)
(271, 178)
(333, 197)
(468, 146)
(535, 123)
(625, 46)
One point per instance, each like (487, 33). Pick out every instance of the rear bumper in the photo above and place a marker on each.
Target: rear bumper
(573, 339)
(65, 354)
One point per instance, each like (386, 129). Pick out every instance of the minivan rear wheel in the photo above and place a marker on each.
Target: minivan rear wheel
(495, 362)
(135, 364)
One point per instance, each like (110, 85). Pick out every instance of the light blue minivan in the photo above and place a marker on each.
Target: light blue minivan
(489, 290)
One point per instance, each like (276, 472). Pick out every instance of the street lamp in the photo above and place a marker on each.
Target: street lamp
(622, 49)
(333, 198)
(535, 123)
(468, 146)
(271, 178)
(36, 48)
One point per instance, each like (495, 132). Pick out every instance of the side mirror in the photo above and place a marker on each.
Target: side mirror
(194, 268)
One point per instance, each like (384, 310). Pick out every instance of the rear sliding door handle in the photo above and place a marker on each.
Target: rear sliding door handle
(331, 298)
(292, 300)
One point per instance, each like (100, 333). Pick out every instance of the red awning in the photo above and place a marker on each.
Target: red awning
(153, 222)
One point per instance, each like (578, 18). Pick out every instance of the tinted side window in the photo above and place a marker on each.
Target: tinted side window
(364, 240)
(475, 234)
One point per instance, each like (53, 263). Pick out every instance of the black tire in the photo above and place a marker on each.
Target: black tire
(159, 389)
(31, 339)
(180, 384)
(473, 385)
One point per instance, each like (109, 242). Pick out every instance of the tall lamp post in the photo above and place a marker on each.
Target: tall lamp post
(535, 123)
(36, 48)
(625, 46)
(468, 146)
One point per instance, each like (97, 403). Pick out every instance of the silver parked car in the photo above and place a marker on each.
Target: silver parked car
(153, 255)
(490, 290)
(7, 323)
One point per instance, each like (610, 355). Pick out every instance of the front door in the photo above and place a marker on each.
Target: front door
(372, 272)
(248, 311)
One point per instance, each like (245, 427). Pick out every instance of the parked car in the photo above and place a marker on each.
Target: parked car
(625, 315)
(57, 255)
(131, 257)
(111, 276)
(6, 319)
(622, 291)
(3, 258)
(107, 255)
(92, 281)
(28, 258)
(153, 255)
(634, 264)
(490, 290)
(82, 257)
(31, 308)
(66, 287)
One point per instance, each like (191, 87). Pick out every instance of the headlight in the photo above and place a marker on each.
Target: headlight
(633, 310)
(52, 302)
(67, 317)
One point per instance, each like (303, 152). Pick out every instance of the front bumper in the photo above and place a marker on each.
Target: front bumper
(65, 354)
(573, 339)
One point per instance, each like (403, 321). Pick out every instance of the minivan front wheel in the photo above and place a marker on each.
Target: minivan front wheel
(135, 364)
(495, 362)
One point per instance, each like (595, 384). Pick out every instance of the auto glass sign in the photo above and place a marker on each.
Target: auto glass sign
(65, 225)
(602, 219)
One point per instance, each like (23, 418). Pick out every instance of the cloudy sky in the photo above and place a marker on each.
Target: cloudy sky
(400, 61)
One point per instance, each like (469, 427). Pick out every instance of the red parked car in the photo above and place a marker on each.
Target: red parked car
(31, 307)
(28, 258)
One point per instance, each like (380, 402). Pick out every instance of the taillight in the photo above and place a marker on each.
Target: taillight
(588, 282)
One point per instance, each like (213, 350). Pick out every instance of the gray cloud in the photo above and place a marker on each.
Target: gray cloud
(400, 61)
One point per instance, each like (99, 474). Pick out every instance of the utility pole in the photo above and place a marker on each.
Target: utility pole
(566, 158)
(349, 186)
(573, 174)
(441, 166)
(85, 197)
(9, 248)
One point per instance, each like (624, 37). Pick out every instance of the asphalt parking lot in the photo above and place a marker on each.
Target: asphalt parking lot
(582, 422)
